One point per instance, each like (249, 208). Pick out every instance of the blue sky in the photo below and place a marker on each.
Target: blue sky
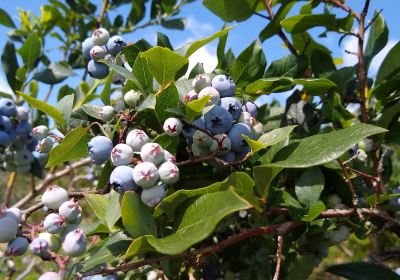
(201, 23)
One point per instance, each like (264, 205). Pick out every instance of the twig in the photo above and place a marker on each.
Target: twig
(103, 12)
(263, 16)
(373, 19)
(363, 174)
(278, 257)
(10, 187)
(28, 269)
(48, 93)
(344, 7)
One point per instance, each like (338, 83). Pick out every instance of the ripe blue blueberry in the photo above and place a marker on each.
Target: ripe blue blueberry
(201, 81)
(228, 157)
(70, 210)
(87, 45)
(146, 174)
(17, 247)
(233, 106)
(100, 148)
(136, 139)
(97, 70)
(54, 196)
(250, 107)
(4, 138)
(152, 152)
(7, 107)
(218, 120)
(212, 93)
(169, 173)
(53, 223)
(152, 196)
(224, 85)
(74, 243)
(121, 179)
(100, 36)
(8, 228)
(121, 154)
(14, 213)
(238, 143)
(172, 126)
(115, 44)
(5, 124)
(50, 276)
(23, 129)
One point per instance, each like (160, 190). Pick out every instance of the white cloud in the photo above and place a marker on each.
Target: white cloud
(4, 87)
(206, 56)
(199, 29)
(350, 44)
(377, 61)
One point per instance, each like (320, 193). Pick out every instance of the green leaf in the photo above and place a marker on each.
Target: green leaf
(231, 10)
(389, 113)
(263, 177)
(195, 108)
(168, 98)
(163, 41)
(253, 144)
(165, 65)
(288, 66)
(105, 206)
(316, 86)
(141, 71)
(45, 108)
(65, 106)
(371, 200)
(188, 49)
(385, 88)
(249, 65)
(148, 103)
(106, 91)
(322, 64)
(53, 74)
(303, 22)
(169, 143)
(136, 216)
(104, 175)
(275, 136)
(197, 223)
(363, 271)
(377, 38)
(221, 49)
(196, 70)
(390, 65)
(322, 148)
(31, 50)
(132, 51)
(5, 19)
(176, 23)
(10, 65)
(73, 146)
(274, 26)
(309, 187)
(303, 267)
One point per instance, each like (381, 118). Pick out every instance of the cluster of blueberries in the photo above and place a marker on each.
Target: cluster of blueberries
(60, 230)
(101, 46)
(152, 171)
(226, 121)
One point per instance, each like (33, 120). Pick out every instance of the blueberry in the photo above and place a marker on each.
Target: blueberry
(7, 107)
(190, 96)
(5, 124)
(99, 148)
(152, 152)
(14, 213)
(40, 131)
(52, 240)
(23, 129)
(107, 113)
(145, 174)
(202, 139)
(246, 118)
(222, 146)
(121, 179)
(172, 126)
(218, 120)
(53, 223)
(115, 44)
(238, 143)
(198, 151)
(100, 36)
(50, 276)
(8, 229)
(201, 81)
(169, 173)
(54, 196)
(233, 106)
(17, 247)
(250, 107)
(152, 196)
(22, 113)
(39, 247)
(23, 156)
(97, 53)
(70, 210)
(97, 70)
(121, 154)
(132, 98)
(4, 138)
(228, 157)
(45, 145)
(74, 243)
(87, 45)
(224, 85)
(213, 93)
(136, 139)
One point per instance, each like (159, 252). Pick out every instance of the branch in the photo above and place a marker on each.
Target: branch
(10, 187)
(103, 12)
(278, 257)
(343, 6)
(50, 178)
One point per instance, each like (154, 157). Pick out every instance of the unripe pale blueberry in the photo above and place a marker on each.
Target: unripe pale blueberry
(201, 81)
(75, 243)
(145, 174)
(97, 70)
(50, 276)
(69, 228)
(172, 126)
(224, 85)
(218, 120)
(121, 179)
(52, 240)
(233, 106)
(169, 157)
(136, 139)
(361, 155)
(152, 152)
(152, 196)
(23, 156)
(198, 151)
(54, 196)
(100, 36)
(246, 118)
(39, 247)
(8, 229)
(366, 145)
(53, 223)
(213, 93)
(190, 96)
(132, 97)
(235, 134)
(202, 139)
(45, 145)
(87, 45)
(121, 154)
(7, 107)
(22, 113)
(97, 53)
(17, 247)
(115, 44)
(258, 129)
(14, 213)
(107, 113)
(100, 148)
(70, 210)
(169, 173)
(222, 146)
(250, 107)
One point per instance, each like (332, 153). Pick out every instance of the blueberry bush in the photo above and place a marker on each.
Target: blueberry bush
(145, 170)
